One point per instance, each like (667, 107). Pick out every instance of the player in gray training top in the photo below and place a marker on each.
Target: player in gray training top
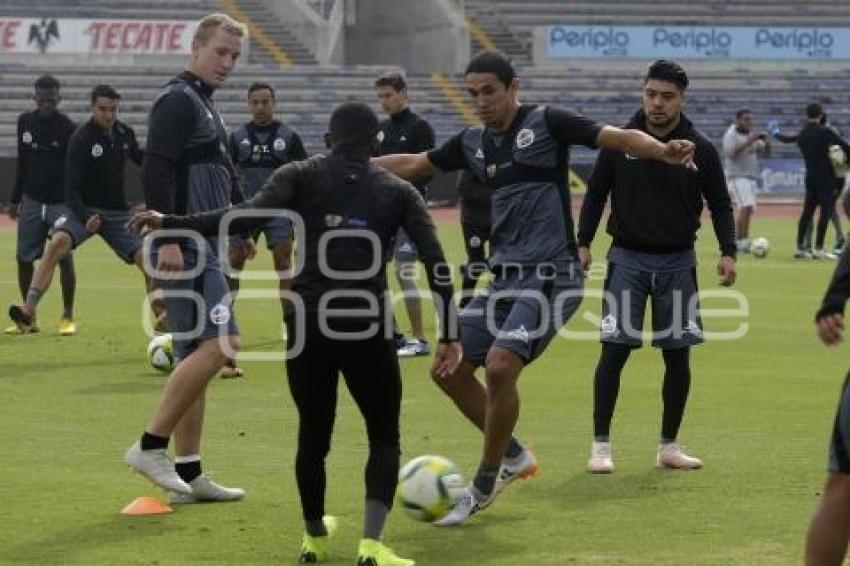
(257, 148)
(521, 153)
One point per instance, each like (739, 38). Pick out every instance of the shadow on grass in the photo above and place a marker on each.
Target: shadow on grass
(587, 490)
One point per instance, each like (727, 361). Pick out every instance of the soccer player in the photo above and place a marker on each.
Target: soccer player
(344, 192)
(740, 148)
(475, 223)
(94, 189)
(655, 215)
(814, 141)
(38, 199)
(829, 532)
(404, 131)
(521, 154)
(258, 148)
(187, 169)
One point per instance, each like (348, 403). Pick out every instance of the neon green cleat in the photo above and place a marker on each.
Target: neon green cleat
(315, 549)
(375, 553)
(67, 327)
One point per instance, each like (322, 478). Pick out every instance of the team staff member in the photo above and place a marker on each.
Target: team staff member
(521, 153)
(475, 208)
(344, 191)
(187, 169)
(38, 198)
(655, 212)
(257, 148)
(404, 131)
(94, 178)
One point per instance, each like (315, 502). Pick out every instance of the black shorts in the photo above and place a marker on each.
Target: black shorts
(676, 321)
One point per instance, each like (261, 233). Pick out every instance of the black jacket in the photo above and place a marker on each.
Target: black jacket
(814, 141)
(344, 191)
(655, 207)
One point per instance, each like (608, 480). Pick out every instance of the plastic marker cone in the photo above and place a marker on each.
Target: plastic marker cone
(146, 506)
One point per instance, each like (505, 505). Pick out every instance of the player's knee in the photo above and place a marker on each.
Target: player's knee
(502, 368)
(838, 485)
(60, 245)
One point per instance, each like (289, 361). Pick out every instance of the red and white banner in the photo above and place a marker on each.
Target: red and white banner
(95, 37)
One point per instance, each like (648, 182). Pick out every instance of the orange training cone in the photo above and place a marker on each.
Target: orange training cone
(146, 506)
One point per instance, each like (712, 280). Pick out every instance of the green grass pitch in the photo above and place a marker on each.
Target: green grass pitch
(760, 414)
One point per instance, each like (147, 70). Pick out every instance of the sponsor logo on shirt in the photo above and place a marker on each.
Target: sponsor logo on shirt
(96, 150)
(524, 138)
(333, 220)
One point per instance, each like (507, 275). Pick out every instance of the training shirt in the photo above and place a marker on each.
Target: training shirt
(406, 132)
(258, 150)
(475, 200)
(525, 168)
(94, 168)
(745, 163)
(344, 191)
(42, 144)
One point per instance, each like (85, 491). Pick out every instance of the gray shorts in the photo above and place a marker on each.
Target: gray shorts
(839, 445)
(198, 307)
(404, 250)
(676, 321)
(521, 311)
(113, 230)
(276, 231)
(35, 220)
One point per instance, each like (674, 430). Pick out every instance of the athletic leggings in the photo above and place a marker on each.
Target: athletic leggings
(371, 372)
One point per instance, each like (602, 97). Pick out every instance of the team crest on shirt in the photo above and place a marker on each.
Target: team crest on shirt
(475, 242)
(26, 137)
(279, 144)
(220, 314)
(609, 326)
(381, 136)
(524, 138)
(333, 220)
(96, 150)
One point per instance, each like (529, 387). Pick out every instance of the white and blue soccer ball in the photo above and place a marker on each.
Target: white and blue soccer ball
(160, 352)
(428, 487)
(759, 247)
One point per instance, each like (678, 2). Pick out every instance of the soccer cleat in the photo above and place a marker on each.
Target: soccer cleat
(414, 347)
(523, 466)
(373, 552)
(671, 456)
(600, 461)
(466, 505)
(22, 317)
(231, 372)
(399, 341)
(157, 467)
(204, 490)
(821, 254)
(67, 327)
(802, 254)
(16, 330)
(315, 549)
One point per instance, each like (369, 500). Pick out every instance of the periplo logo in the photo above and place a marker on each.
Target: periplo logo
(813, 41)
(703, 41)
(609, 40)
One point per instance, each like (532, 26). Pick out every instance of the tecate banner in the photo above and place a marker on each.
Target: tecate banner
(697, 42)
(70, 36)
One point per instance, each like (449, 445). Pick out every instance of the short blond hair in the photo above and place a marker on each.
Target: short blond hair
(208, 24)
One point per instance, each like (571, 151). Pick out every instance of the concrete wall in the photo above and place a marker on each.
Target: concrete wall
(324, 38)
(422, 37)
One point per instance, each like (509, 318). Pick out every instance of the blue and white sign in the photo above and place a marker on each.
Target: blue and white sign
(782, 176)
(696, 42)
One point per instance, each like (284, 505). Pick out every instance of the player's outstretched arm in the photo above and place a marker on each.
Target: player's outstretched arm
(408, 166)
(643, 146)
(830, 317)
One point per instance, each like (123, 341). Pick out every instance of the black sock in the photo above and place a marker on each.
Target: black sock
(153, 442)
(606, 387)
(316, 528)
(677, 385)
(514, 448)
(485, 479)
(188, 470)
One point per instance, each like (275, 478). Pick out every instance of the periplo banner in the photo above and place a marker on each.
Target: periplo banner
(95, 36)
(696, 42)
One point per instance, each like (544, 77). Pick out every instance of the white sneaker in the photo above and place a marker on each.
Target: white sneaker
(821, 254)
(523, 466)
(672, 456)
(205, 490)
(600, 461)
(157, 467)
(465, 506)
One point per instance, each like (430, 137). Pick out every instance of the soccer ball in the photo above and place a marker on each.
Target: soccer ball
(759, 247)
(428, 487)
(161, 352)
